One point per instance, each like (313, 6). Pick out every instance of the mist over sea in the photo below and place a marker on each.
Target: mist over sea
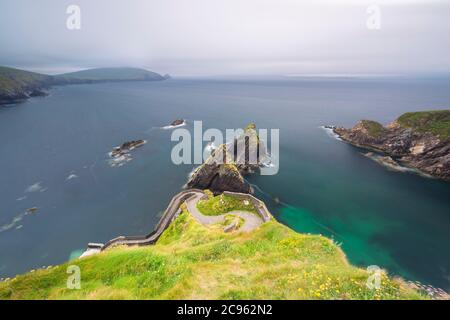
(54, 156)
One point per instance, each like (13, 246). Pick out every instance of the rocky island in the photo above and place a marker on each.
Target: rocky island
(417, 140)
(225, 169)
(177, 122)
(121, 154)
(126, 147)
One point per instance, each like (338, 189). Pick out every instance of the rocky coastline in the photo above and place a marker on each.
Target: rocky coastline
(411, 141)
(17, 96)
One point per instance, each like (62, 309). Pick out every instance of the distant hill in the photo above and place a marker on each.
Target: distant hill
(17, 85)
(112, 74)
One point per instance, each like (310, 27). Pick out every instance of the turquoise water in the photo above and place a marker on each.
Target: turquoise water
(399, 221)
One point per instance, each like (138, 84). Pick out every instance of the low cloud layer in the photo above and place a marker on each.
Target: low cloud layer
(232, 37)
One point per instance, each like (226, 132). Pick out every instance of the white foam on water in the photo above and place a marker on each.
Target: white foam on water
(120, 161)
(210, 147)
(394, 167)
(71, 176)
(14, 222)
(331, 133)
(37, 187)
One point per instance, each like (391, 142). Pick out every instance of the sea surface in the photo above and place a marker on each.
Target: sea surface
(54, 156)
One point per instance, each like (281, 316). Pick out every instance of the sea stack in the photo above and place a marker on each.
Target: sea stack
(225, 168)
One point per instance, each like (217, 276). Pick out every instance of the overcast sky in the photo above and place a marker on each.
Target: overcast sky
(228, 37)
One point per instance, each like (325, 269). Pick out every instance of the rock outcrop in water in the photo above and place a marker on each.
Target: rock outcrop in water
(177, 122)
(419, 140)
(225, 168)
(217, 175)
(126, 147)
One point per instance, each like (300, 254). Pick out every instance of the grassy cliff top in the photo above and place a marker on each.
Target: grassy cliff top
(112, 74)
(373, 128)
(192, 262)
(14, 80)
(223, 204)
(436, 122)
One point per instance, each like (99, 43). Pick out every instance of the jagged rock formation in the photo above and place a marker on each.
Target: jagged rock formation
(419, 140)
(177, 122)
(249, 152)
(224, 169)
(219, 175)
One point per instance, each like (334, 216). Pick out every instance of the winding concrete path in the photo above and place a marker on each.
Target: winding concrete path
(190, 197)
(251, 221)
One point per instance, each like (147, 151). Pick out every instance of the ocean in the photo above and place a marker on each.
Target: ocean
(54, 156)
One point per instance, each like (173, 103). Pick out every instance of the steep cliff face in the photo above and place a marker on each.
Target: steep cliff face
(419, 140)
(218, 175)
(225, 168)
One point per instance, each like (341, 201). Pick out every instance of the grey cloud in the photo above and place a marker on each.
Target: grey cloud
(204, 37)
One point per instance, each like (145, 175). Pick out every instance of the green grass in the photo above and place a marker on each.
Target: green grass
(231, 218)
(191, 261)
(435, 122)
(373, 128)
(223, 204)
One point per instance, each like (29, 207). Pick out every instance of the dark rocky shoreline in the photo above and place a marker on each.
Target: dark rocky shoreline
(423, 151)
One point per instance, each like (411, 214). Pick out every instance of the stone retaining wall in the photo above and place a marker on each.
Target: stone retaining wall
(259, 205)
(172, 211)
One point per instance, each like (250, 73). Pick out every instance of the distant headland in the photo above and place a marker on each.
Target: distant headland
(417, 140)
(18, 85)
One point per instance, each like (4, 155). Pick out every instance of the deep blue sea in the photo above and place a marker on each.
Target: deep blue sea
(54, 156)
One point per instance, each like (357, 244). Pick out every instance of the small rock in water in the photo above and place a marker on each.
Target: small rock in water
(126, 147)
(32, 210)
(177, 122)
(120, 155)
